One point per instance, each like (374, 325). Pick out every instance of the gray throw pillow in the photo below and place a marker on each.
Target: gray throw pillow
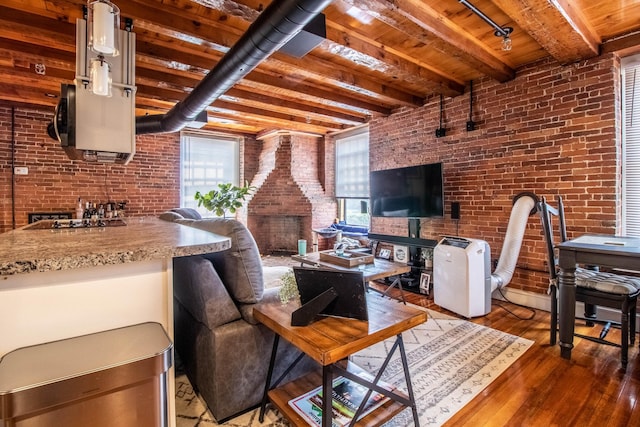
(239, 267)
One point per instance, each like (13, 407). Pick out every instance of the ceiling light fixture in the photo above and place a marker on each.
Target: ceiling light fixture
(504, 32)
(103, 20)
(100, 77)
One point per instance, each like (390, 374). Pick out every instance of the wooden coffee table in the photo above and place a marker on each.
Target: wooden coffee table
(329, 341)
(379, 269)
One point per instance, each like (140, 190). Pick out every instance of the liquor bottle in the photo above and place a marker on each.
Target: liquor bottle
(94, 214)
(79, 209)
(87, 211)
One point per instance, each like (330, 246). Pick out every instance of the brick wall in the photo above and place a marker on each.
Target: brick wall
(550, 131)
(54, 183)
(150, 183)
(290, 199)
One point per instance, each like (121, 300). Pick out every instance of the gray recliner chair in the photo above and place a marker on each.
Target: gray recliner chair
(225, 351)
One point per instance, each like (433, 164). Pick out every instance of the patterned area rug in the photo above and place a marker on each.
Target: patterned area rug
(450, 360)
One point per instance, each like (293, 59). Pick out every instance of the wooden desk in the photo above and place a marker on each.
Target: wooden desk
(590, 249)
(379, 269)
(329, 341)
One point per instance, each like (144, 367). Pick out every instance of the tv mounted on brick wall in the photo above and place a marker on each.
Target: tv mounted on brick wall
(409, 192)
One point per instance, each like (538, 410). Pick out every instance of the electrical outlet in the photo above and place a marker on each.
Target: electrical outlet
(440, 132)
(21, 170)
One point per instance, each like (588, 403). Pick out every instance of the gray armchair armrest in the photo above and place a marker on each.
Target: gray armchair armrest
(199, 289)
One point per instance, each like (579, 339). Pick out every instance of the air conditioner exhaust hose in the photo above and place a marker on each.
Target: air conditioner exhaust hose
(524, 205)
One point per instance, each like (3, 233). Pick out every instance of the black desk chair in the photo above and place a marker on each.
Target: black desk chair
(593, 288)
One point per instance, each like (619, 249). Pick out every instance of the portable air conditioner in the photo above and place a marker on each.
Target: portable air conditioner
(462, 276)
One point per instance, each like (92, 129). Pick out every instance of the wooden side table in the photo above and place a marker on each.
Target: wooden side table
(331, 340)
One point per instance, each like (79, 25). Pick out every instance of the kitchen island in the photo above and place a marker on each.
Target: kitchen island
(62, 283)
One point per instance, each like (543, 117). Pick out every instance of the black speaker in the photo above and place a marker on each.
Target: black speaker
(414, 228)
(455, 210)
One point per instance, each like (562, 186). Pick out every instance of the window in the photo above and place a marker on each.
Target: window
(631, 146)
(352, 177)
(205, 162)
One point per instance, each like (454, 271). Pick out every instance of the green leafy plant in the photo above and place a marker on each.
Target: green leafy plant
(227, 198)
(289, 288)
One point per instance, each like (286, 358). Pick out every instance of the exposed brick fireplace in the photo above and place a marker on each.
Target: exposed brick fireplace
(289, 201)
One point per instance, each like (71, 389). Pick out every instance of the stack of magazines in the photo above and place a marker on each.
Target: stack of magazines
(347, 396)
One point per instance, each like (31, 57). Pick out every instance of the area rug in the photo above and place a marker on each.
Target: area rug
(451, 361)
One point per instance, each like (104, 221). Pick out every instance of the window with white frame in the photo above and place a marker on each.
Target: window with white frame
(352, 176)
(631, 146)
(205, 162)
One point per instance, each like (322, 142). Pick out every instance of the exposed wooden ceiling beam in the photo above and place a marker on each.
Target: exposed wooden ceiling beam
(226, 125)
(378, 56)
(416, 19)
(557, 25)
(27, 52)
(224, 107)
(386, 61)
(208, 29)
(185, 84)
(625, 45)
(148, 16)
(272, 76)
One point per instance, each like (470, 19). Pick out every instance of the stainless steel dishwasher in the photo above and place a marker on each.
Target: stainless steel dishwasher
(111, 378)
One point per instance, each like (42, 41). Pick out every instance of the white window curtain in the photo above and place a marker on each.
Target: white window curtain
(205, 162)
(352, 165)
(631, 146)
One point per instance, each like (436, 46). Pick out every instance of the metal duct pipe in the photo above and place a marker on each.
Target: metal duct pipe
(276, 25)
(524, 205)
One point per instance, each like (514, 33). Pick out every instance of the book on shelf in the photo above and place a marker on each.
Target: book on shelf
(347, 396)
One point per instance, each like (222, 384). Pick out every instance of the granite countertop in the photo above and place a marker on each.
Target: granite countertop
(142, 239)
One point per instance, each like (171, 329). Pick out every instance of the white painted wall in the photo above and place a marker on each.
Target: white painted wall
(41, 307)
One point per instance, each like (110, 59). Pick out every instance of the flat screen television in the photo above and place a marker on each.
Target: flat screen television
(409, 192)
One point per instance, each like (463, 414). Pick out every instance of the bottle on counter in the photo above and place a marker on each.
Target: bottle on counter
(87, 211)
(79, 209)
(94, 214)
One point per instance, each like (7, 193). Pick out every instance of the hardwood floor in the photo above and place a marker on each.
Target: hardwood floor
(541, 388)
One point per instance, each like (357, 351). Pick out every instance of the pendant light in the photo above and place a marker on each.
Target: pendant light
(500, 31)
(100, 77)
(103, 25)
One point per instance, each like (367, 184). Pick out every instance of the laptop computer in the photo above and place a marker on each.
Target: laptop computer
(332, 292)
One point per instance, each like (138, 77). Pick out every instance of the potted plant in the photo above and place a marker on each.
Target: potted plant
(227, 198)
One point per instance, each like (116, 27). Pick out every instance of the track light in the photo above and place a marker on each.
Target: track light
(506, 40)
(504, 32)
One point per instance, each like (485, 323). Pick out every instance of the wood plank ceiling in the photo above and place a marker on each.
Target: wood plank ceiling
(379, 55)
